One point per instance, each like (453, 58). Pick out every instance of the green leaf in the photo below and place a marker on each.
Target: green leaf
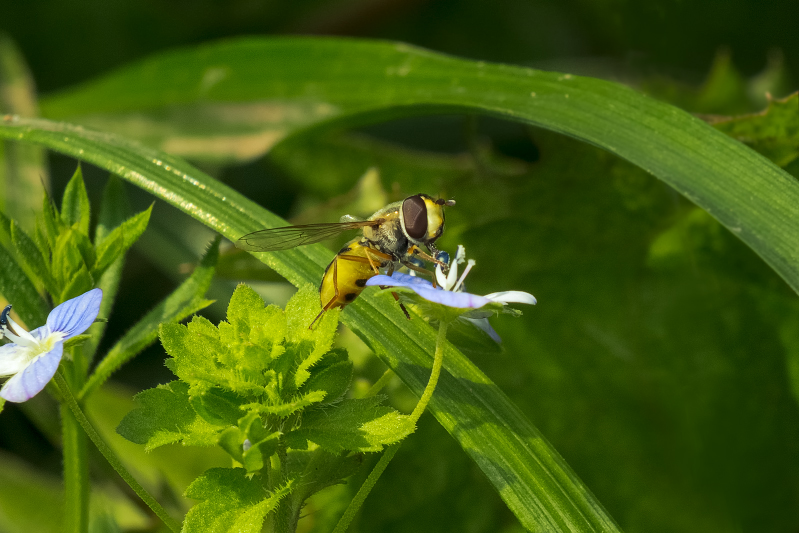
(118, 240)
(311, 344)
(18, 289)
(284, 409)
(217, 406)
(31, 254)
(230, 501)
(361, 425)
(75, 204)
(774, 132)
(749, 195)
(165, 416)
(50, 223)
(334, 380)
(262, 445)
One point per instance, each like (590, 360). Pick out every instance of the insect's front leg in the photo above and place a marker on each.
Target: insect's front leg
(417, 268)
(415, 250)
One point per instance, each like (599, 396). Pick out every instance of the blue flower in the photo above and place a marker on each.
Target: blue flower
(452, 302)
(32, 358)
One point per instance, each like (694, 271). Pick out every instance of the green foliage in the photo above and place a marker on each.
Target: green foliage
(774, 132)
(265, 388)
(230, 501)
(61, 257)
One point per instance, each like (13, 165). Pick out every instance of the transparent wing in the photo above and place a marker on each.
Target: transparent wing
(269, 240)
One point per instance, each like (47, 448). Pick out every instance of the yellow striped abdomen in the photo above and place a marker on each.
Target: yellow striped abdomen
(346, 276)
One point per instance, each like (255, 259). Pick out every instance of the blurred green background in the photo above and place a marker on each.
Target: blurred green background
(663, 358)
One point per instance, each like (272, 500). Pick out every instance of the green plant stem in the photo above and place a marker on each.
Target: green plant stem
(366, 488)
(113, 460)
(76, 461)
(438, 361)
(380, 383)
(377, 471)
(76, 474)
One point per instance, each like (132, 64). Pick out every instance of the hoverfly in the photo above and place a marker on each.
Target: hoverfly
(390, 237)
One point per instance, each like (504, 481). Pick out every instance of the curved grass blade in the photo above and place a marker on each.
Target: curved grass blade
(531, 477)
(359, 81)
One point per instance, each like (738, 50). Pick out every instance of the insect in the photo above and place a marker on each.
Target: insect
(391, 236)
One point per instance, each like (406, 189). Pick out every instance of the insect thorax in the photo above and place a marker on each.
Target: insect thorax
(388, 237)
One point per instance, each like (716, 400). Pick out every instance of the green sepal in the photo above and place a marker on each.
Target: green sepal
(76, 340)
(354, 424)
(75, 208)
(231, 500)
(164, 415)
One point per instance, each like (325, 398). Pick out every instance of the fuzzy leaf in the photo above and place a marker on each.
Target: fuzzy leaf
(230, 502)
(774, 132)
(75, 207)
(333, 379)
(312, 344)
(31, 254)
(217, 406)
(355, 424)
(165, 416)
(18, 289)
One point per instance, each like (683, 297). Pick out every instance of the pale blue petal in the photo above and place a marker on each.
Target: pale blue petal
(425, 289)
(74, 316)
(30, 382)
(482, 324)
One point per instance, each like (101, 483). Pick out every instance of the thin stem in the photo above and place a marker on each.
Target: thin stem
(109, 455)
(76, 465)
(366, 488)
(76, 474)
(380, 383)
(377, 471)
(438, 360)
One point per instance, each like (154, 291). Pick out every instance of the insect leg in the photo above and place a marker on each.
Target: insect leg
(421, 270)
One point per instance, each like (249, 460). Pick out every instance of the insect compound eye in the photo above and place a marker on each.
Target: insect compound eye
(414, 216)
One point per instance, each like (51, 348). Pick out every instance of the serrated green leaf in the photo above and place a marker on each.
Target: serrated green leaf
(310, 344)
(320, 469)
(230, 501)
(193, 349)
(353, 425)
(75, 207)
(287, 408)
(165, 416)
(31, 254)
(333, 379)
(260, 444)
(183, 302)
(259, 452)
(218, 407)
(18, 289)
(774, 132)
